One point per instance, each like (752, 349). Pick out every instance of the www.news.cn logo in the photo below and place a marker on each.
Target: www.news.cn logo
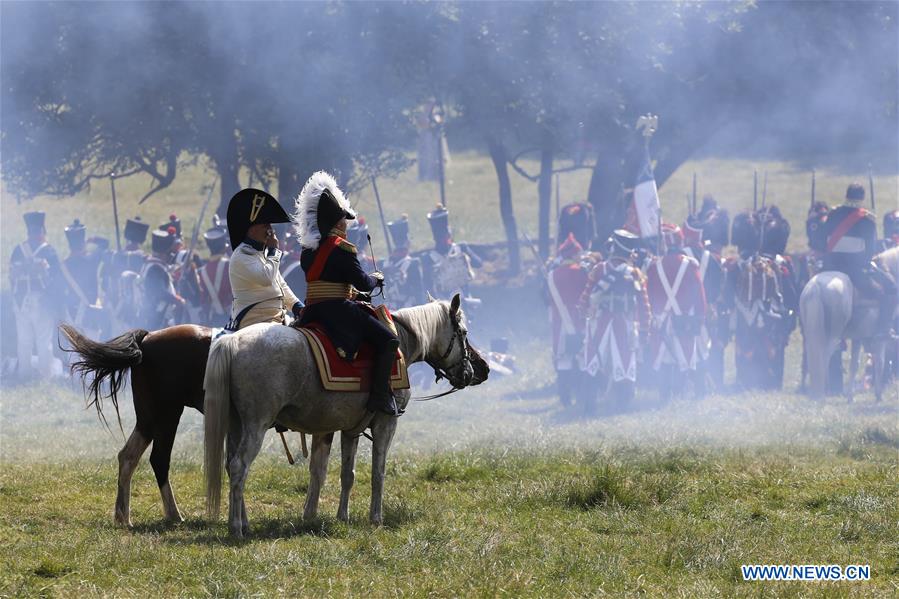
(806, 572)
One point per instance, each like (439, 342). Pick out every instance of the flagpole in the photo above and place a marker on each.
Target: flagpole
(693, 201)
(812, 205)
(755, 191)
(871, 187)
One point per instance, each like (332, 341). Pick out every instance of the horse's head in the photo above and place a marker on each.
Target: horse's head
(457, 360)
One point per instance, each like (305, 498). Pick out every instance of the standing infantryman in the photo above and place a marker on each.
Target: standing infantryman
(677, 299)
(851, 234)
(711, 272)
(36, 286)
(260, 292)
(565, 282)
(357, 234)
(405, 273)
(119, 273)
(448, 267)
(333, 277)
(80, 271)
(617, 310)
(216, 284)
(159, 302)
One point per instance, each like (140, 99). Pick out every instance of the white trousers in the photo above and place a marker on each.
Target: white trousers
(34, 330)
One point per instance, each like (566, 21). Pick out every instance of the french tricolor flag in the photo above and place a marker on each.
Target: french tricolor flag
(643, 214)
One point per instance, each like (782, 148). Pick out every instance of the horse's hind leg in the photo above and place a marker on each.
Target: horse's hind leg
(382, 430)
(318, 470)
(238, 467)
(129, 457)
(160, 459)
(348, 446)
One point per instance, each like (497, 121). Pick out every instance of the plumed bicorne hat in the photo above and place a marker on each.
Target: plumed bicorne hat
(252, 207)
(320, 205)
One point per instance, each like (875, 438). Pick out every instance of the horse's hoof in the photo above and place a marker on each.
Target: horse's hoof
(236, 533)
(343, 517)
(122, 521)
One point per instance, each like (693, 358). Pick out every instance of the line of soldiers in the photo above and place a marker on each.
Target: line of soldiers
(660, 312)
(105, 292)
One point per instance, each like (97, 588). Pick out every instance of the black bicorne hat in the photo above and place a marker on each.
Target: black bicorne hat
(136, 230)
(330, 212)
(34, 220)
(399, 231)
(162, 241)
(252, 207)
(75, 234)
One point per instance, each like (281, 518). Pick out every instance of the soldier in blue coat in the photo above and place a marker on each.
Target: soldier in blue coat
(335, 278)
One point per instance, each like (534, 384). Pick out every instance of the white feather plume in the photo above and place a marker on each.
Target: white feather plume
(305, 213)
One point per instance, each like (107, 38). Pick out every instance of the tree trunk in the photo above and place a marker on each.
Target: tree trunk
(610, 174)
(506, 211)
(544, 193)
(227, 163)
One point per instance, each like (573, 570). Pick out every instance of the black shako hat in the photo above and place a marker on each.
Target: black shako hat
(162, 241)
(34, 220)
(399, 230)
(439, 221)
(136, 230)
(75, 234)
(252, 207)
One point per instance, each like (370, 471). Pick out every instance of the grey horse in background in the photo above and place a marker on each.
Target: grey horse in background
(831, 311)
(267, 373)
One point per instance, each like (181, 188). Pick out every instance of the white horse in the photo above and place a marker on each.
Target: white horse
(266, 373)
(831, 311)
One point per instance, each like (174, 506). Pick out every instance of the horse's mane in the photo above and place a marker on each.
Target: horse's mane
(424, 321)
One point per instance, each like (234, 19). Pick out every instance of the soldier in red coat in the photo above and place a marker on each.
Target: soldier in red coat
(677, 299)
(617, 318)
(565, 283)
(215, 283)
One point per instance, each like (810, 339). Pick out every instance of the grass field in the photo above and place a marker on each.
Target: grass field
(494, 491)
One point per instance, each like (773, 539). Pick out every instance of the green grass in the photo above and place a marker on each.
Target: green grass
(660, 522)
(493, 491)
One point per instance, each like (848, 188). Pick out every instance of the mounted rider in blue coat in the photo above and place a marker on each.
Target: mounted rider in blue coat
(335, 278)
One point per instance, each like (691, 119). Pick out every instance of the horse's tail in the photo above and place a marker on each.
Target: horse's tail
(814, 338)
(106, 362)
(216, 412)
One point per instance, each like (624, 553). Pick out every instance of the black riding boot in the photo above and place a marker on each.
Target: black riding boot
(381, 398)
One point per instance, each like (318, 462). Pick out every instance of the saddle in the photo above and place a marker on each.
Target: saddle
(338, 374)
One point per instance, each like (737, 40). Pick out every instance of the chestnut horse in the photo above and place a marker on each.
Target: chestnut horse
(167, 369)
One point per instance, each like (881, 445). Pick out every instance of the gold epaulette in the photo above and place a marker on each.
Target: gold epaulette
(347, 246)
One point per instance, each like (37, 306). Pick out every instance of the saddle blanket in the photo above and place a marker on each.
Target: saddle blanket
(338, 374)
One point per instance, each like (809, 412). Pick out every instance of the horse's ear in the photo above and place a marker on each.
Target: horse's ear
(430, 297)
(454, 305)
